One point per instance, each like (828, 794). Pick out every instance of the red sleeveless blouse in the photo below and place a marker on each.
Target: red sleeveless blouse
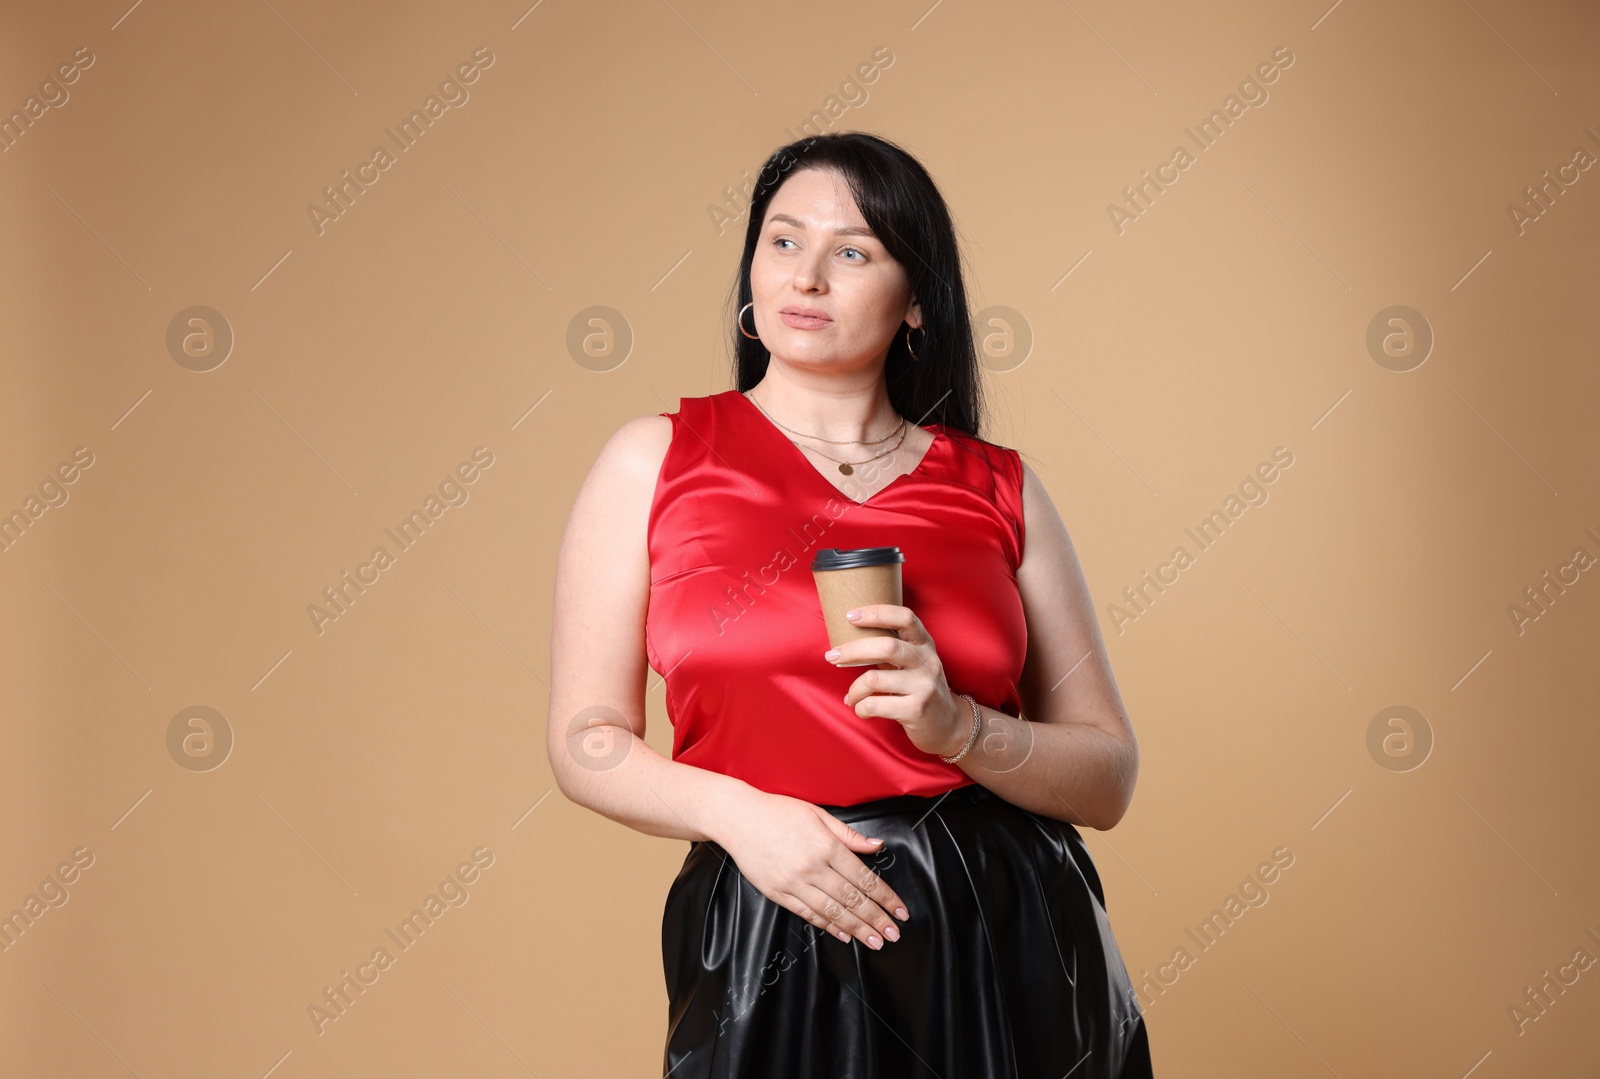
(735, 627)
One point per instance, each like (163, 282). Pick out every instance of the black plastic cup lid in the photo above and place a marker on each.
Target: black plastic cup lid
(838, 558)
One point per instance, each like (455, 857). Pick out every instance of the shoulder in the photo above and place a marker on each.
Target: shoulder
(1033, 492)
(643, 438)
(609, 522)
(1038, 509)
(632, 456)
(637, 451)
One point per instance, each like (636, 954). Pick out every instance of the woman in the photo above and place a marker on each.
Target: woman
(884, 877)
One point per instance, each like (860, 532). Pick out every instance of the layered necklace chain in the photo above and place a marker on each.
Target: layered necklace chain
(845, 467)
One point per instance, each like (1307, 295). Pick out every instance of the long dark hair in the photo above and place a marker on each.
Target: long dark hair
(905, 211)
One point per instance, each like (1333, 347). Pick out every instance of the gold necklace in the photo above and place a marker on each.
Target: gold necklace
(846, 467)
(847, 442)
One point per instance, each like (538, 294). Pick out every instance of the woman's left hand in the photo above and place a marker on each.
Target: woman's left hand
(911, 688)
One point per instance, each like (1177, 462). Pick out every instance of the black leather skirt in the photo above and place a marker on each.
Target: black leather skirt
(1006, 968)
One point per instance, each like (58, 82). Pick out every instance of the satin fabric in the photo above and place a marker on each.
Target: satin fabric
(1006, 968)
(735, 628)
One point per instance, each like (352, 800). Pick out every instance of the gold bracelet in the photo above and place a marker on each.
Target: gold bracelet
(977, 724)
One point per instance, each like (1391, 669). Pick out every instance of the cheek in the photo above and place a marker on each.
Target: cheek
(884, 294)
(762, 277)
(878, 311)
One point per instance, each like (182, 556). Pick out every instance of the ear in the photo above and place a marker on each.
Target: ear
(913, 316)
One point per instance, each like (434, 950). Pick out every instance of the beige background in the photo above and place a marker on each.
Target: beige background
(369, 360)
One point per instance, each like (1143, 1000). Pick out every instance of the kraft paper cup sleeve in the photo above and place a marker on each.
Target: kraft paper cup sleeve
(878, 580)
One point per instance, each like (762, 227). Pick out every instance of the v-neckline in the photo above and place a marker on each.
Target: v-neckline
(805, 462)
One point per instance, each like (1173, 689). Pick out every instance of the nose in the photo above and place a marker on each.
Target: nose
(811, 272)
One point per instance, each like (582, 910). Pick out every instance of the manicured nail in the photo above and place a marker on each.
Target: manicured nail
(900, 912)
(844, 936)
(892, 933)
(874, 841)
(831, 654)
(852, 615)
(874, 943)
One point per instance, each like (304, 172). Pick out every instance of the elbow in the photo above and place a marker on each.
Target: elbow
(576, 763)
(1112, 813)
(587, 750)
(1120, 795)
(561, 770)
(1111, 817)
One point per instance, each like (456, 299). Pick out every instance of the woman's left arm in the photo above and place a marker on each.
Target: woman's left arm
(1074, 757)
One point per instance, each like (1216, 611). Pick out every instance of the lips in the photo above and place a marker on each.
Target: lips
(805, 322)
(804, 318)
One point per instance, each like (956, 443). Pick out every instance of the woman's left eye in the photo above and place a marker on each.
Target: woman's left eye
(863, 254)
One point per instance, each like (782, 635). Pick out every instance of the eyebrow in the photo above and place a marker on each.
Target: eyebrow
(848, 231)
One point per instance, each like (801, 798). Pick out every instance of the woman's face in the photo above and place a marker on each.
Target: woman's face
(816, 253)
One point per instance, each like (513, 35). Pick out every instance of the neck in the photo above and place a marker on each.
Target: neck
(829, 411)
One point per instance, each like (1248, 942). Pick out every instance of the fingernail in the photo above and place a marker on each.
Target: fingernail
(892, 933)
(900, 912)
(844, 936)
(852, 615)
(831, 654)
(874, 841)
(874, 943)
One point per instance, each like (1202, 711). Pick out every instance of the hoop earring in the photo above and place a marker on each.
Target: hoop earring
(740, 321)
(909, 349)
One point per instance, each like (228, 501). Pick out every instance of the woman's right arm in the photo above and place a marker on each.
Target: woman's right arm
(594, 733)
(796, 854)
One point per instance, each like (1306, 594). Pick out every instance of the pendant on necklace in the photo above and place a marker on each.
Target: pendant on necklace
(846, 469)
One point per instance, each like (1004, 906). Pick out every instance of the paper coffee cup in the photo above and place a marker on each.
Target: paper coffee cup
(851, 578)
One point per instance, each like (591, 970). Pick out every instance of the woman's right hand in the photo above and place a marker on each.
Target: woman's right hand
(802, 857)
